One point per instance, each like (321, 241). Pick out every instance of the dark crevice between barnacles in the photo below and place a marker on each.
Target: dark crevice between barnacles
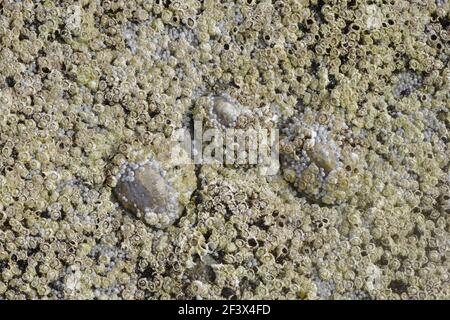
(202, 271)
(3, 265)
(398, 286)
(229, 293)
(10, 82)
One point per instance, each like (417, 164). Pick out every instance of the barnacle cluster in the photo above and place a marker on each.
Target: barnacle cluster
(93, 207)
(320, 158)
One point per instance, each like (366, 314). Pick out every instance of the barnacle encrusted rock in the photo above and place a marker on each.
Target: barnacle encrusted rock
(358, 89)
(314, 156)
(143, 189)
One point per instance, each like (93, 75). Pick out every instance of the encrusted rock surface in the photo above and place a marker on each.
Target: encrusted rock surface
(94, 205)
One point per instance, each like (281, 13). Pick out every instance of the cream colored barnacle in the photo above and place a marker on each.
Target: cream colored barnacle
(143, 190)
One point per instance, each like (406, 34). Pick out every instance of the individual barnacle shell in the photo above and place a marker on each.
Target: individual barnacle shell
(143, 190)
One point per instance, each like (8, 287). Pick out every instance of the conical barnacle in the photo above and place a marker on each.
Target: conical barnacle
(143, 190)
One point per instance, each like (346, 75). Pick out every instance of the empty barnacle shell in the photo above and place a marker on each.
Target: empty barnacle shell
(143, 190)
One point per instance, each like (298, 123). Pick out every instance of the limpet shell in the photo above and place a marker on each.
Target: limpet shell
(225, 111)
(144, 191)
